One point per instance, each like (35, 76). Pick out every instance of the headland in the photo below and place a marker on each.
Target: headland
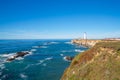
(100, 62)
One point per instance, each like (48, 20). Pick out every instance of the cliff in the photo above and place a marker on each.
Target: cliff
(87, 43)
(101, 62)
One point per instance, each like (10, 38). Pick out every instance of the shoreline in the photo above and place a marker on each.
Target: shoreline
(86, 64)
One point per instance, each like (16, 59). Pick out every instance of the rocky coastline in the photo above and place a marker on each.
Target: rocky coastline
(99, 62)
(85, 42)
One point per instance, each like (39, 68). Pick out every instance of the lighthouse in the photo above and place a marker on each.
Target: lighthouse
(85, 36)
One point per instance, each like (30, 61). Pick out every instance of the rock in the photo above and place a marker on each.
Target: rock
(10, 59)
(21, 54)
(69, 58)
(18, 54)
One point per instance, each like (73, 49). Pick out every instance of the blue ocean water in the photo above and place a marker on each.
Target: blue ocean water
(44, 63)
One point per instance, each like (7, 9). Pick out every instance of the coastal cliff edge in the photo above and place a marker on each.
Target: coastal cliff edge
(100, 62)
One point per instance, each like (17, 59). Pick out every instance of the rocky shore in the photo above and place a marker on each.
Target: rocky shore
(100, 62)
(86, 43)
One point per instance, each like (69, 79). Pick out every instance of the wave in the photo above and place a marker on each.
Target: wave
(35, 46)
(19, 58)
(3, 77)
(32, 50)
(68, 43)
(44, 64)
(2, 66)
(77, 50)
(40, 62)
(7, 55)
(64, 58)
(54, 42)
(4, 57)
(0, 73)
(49, 43)
(64, 51)
(29, 66)
(46, 59)
(23, 76)
(49, 58)
(39, 46)
(61, 55)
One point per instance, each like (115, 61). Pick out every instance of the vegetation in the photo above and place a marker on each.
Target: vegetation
(101, 62)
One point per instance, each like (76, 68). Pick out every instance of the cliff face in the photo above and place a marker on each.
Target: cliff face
(88, 43)
(101, 62)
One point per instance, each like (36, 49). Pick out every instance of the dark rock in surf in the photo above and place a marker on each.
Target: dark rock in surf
(69, 58)
(18, 54)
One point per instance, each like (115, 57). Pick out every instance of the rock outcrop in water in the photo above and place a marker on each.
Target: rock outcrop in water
(68, 58)
(101, 62)
(18, 54)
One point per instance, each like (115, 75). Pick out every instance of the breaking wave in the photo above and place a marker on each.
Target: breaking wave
(4, 57)
(77, 50)
(49, 58)
(61, 55)
(19, 58)
(49, 43)
(68, 43)
(64, 51)
(39, 46)
(23, 76)
(7, 55)
(32, 50)
(64, 58)
(2, 66)
(46, 59)
(40, 62)
(35, 46)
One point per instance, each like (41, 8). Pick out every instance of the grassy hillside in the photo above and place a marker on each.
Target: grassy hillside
(101, 62)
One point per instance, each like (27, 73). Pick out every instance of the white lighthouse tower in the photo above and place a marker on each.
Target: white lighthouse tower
(85, 36)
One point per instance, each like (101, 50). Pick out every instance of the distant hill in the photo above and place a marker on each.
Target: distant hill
(101, 62)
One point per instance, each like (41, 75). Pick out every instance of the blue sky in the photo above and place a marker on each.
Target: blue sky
(59, 19)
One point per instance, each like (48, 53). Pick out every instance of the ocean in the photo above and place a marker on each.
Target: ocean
(46, 61)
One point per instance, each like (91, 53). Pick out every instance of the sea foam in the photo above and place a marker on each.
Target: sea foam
(61, 55)
(77, 50)
(19, 58)
(32, 50)
(64, 58)
(23, 76)
(40, 62)
(7, 55)
(68, 43)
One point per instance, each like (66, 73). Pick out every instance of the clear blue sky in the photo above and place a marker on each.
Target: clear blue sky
(59, 19)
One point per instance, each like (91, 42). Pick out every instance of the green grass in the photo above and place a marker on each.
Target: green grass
(112, 45)
(105, 66)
